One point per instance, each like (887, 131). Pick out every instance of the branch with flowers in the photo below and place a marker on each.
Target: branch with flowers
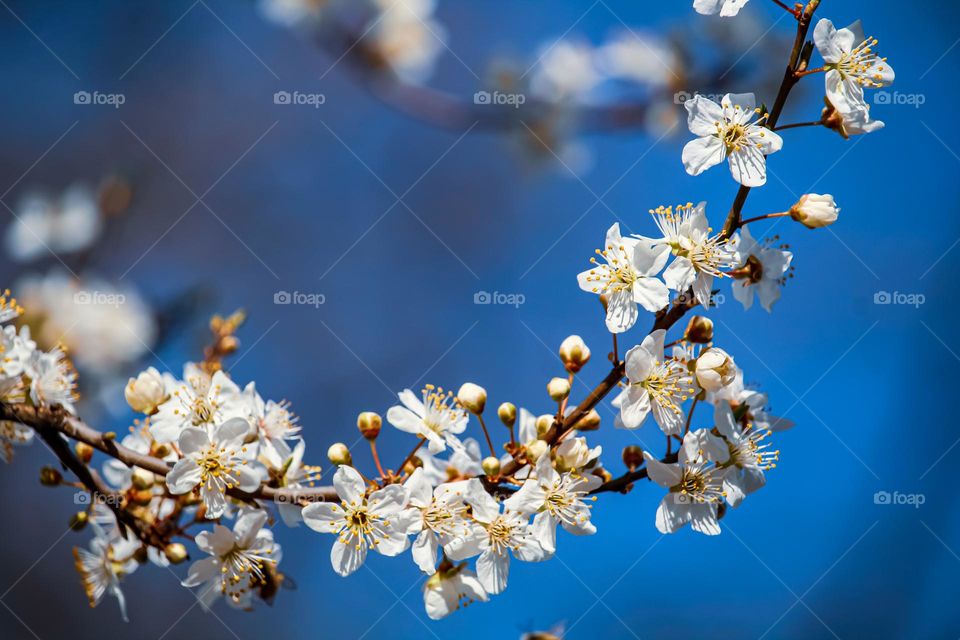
(209, 452)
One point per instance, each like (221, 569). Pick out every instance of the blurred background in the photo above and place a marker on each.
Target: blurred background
(193, 157)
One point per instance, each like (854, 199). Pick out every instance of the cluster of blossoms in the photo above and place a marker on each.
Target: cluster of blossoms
(209, 453)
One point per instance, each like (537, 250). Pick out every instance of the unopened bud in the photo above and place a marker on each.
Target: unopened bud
(632, 456)
(175, 552)
(558, 389)
(84, 452)
(603, 474)
(574, 353)
(228, 344)
(142, 497)
(79, 520)
(369, 424)
(412, 465)
(145, 392)
(491, 466)
(472, 397)
(589, 422)
(339, 454)
(536, 450)
(50, 477)
(815, 211)
(142, 479)
(544, 423)
(715, 369)
(507, 413)
(699, 330)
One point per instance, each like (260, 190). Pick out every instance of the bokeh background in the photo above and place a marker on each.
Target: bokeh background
(303, 199)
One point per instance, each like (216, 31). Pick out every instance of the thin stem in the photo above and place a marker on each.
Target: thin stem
(486, 434)
(669, 445)
(764, 217)
(412, 453)
(795, 125)
(791, 10)
(616, 357)
(808, 72)
(693, 406)
(376, 458)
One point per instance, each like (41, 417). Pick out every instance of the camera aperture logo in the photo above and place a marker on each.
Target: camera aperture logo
(899, 298)
(915, 100)
(914, 500)
(100, 298)
(497, 298)
(84, 498)
(314, 100)
(299, 298)
(499, 98)
(114, 100)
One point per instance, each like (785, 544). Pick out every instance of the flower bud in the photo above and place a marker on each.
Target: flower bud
(339, 454)
(84, 452)
(814, 211)
(142, 479)
(536, 450)
(589, 422)
(507, 413)
(142, 497)
(544, 423)
(472, 397)
(491, 466)
(699, 330)
(574, 453)
(369, 424)
(574, 353)
(632, 456)
(715, 369)
(146, 391)
(79, 520)
(558, 389)
(175, 552)
(50, 477)
(412, 465)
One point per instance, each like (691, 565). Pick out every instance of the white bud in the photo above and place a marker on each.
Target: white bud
(536, 450)
(574, 353)
(145, 392)
(558, 388)
(574, 453)
(815, 211)
(715, 369)
(338, 454)
(491, 466)
(472, 397)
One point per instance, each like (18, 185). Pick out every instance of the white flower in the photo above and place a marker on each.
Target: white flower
(640, 58)
(574, 454)
(274, 424)
(749, 455)
(725, 8)
(728, 132)
(13, 433)
(694, 483)
(102, 566)
(502, 533)
(463, 463)
(9, 309)
(65, 223)
(653, 384)
(449, 589)
(293, 474)
(763, 269)
(715, 369)
(16, 350)
(145, 392)
(565, 70)
(437, 516)
(849, 119)
(700, 257)
(850, 62)
(198, 402)
(555, 498)
(214, 462)
(360, 522)
(438, 418)
(736, 395)
(238, 562)
(53, 379)
(815, 211)
(406, 37)
(627, 278)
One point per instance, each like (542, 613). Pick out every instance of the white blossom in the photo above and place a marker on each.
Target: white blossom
(449, 589)
(438, 418)
(145, 392)
(851, 63)
(199, 401)
(653, 384)
(815, 211)
(762, 269)
(53, 380)
(715, 369)
(750, 456)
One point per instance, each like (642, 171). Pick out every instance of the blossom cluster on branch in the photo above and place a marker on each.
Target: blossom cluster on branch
(215, 463)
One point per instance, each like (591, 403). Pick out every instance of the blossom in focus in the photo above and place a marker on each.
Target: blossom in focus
(725, 8)
(53, 380)
(627, 277)
(57, 224)
(438, 417)
(762, 269)
(360, 522)
(145, 392)
(274, 423)
(200, 401)
(815, 211)
(213, 462)
(715, 369)
(750, 456)
(737, 395)
(450, 588)
(238, 560)
(653, 384)
(849, 119)
(851, 63)
(729, 131)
